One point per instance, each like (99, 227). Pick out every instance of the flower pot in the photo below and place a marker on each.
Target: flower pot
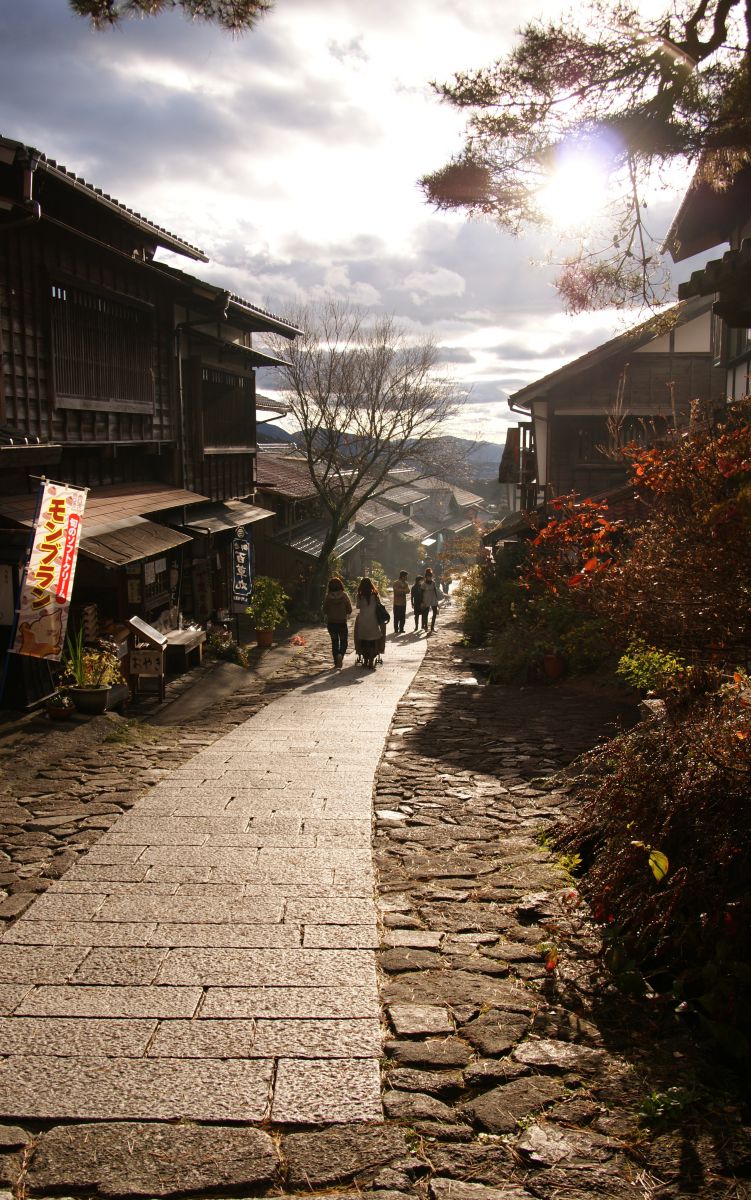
(58, 712)
(264, 637)
(90, 700)
(553, 665)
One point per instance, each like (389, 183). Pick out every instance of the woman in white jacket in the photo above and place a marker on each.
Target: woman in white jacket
(369, 633)
(429, 600)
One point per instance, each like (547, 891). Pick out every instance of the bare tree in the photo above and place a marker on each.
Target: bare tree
(236, 16)
(367, 399)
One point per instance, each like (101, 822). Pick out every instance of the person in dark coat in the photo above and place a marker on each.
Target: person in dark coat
(416, 598)
(336, 608)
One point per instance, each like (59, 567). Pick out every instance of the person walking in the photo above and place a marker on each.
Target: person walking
(369, 632)
(336, 609)
(401, 591)
(416, 597)
(430, 601)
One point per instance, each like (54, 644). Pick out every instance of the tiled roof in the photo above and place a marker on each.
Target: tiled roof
(58, 171)
(311, 541)
(374, 515)
(402, 495)
(415, 532)
(283, 476)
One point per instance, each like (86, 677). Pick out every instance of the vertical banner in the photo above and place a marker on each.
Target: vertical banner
(242, 566)
(48, 579)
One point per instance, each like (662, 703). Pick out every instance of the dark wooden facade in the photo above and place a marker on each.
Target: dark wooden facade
(629, 390)
(118, 370)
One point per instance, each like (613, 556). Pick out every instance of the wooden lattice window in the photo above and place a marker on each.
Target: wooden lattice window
(102, 350)
(228, 410)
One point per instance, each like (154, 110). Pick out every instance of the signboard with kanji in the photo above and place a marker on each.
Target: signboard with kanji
(242, 566)
(48, 579)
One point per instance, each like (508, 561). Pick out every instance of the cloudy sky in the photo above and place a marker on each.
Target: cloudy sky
(291, 156)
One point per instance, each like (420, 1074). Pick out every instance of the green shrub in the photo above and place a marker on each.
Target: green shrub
(649, 669)
(515, 658)
(488, 604)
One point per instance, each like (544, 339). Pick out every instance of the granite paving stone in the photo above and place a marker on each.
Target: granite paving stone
(267, 968)
(118, 965)
(340, 936)
(246, 936)
(85, 1001)
(182, 929)
(79, 933)
(44, 1087)
(38, 964)
(74, 1037)
(290, 1002)
(326, 1091)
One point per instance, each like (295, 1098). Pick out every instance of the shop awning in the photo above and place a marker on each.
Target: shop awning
(216, 518)
(131, 540)
(108, 505)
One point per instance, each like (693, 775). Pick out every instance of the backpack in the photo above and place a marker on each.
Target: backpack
(383, 616)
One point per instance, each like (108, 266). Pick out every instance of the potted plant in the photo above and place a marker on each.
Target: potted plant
(267, 608)
(89, 672)
(59, 707)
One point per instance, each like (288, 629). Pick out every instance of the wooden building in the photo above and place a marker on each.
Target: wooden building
(129, 377)
(707, 218)
(632, 388)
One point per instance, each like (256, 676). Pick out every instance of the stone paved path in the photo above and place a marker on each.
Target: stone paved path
(212, 956)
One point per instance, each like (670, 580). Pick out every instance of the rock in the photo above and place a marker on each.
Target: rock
(489, 1070)
(410, 1019)
(544, 1145)
(435, 1052)
(13, 1135)
(398, 1175)
(567, 1026)
(437, 1131)
(14, 905)
(514, 952)
(396, 961)
(435, 1083)
(496, 1032)
(329, 1156)
(492, 1163)
(538, 906)
(139, 1159)
(501, 1109)
(443, 1188)
(392, 920)
(545, 1054)
(416, 1106)
(458, 987)
(418, 939)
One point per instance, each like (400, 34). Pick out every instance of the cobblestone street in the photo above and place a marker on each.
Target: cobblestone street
(216, 958)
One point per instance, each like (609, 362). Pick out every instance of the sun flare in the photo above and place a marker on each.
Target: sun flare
(576, 192)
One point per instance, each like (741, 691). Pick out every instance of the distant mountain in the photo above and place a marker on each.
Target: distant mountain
(475, 460)
(458, 459)
(266, 432)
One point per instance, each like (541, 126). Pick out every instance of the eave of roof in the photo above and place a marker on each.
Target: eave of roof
(719, 273)
(249, 316)
(707, 215)
(625, 343)
(57, 171)
(257, 358)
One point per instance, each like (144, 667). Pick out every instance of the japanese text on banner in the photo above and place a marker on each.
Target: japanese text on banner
(48, 579)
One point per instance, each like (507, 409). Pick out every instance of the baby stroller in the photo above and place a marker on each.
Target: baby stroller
(359, 659)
